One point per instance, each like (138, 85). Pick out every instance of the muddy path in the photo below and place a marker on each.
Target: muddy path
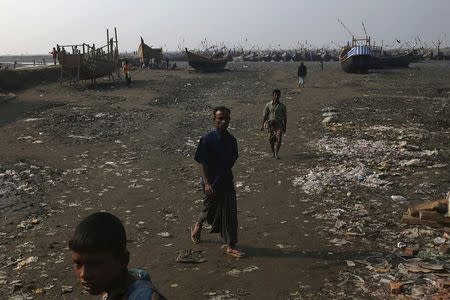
(129, 151)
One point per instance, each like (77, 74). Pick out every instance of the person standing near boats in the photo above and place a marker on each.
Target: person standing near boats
(126, 71)
(301, 72)
(54, 54)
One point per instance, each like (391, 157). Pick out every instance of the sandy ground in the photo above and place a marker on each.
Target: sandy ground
(70, 151)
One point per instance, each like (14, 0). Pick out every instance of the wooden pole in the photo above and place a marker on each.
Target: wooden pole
(78, 70)
(448, 205)
(107, 40)
(117, 44)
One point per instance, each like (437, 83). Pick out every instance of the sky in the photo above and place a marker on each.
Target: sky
(35, 26)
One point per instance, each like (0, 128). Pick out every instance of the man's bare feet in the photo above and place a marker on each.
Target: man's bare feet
(235, 252)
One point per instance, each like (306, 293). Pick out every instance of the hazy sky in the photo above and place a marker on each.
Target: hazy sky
(34, 26)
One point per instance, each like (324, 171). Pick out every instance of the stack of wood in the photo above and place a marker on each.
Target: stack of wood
(432, 213)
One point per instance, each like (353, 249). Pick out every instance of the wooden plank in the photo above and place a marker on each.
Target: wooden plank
(416, 221)
(436, 205)
(429, 215)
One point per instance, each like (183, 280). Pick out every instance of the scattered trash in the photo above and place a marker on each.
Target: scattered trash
(190, 256)
(66, 289)
(234, 272)
(26, 262)
(164, 234)
(250, 269)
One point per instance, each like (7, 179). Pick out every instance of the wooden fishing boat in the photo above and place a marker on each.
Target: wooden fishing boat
(86, 62)
(356, 58)
(147, 53)
(206, 64)
(383, 60)
(391, 62)
(267, 57)
(298, 56)
(85, 67)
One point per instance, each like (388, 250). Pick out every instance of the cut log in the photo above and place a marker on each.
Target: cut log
(436, 205)
(407, 219)
(432, 221)
(430, 215)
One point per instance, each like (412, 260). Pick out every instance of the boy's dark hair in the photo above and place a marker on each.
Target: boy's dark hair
(276, 91)
(222, 109)
(99, 232)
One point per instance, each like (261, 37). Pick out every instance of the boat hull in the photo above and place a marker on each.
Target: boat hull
(205, 64)
(355, 59)
(77, 66)
(358, 64)
(391, 62)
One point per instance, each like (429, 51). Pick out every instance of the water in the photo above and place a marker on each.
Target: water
(24, 61)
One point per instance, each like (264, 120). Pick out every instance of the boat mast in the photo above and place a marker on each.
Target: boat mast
(367, 36)
(348, 30)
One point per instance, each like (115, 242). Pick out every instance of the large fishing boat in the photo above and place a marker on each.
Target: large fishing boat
(384, 60)
(206, 64)
(84, 61)
(357, 57)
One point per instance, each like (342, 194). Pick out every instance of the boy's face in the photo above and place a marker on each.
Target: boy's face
(276, 97)
(98, 272)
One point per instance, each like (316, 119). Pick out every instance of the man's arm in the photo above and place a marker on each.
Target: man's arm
(201, 156)
(265, 117)
(209, 191)
(235, 154)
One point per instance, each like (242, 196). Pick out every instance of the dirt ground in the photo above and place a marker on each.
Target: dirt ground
(66, 152)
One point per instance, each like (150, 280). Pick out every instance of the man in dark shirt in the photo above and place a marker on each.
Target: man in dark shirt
(301, 72)
(216, 153)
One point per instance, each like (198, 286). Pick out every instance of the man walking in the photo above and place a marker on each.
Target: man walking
(301, 72)
(216, 153)
(275, 121)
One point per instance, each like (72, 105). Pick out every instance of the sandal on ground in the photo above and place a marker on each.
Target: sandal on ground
(196, 237)
(235, 253)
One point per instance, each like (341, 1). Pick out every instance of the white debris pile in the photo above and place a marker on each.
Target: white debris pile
(338, 176)
(354, 148)
(19, 178)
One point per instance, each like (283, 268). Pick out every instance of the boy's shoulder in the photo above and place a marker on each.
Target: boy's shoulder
(142, 288)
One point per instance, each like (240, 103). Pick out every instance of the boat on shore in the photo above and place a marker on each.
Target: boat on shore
(384, 60)
(356, 58)
(148, 54)
(391, 62)
(86, 62)
(206, 64)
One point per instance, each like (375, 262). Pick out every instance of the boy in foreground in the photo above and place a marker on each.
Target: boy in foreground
(100, 261)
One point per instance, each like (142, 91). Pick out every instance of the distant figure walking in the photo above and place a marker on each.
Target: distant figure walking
(126, 70)
(216, 154)
(321, 64)
(275, 121)
(54, 54)
(167, 63)
(301, 74)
